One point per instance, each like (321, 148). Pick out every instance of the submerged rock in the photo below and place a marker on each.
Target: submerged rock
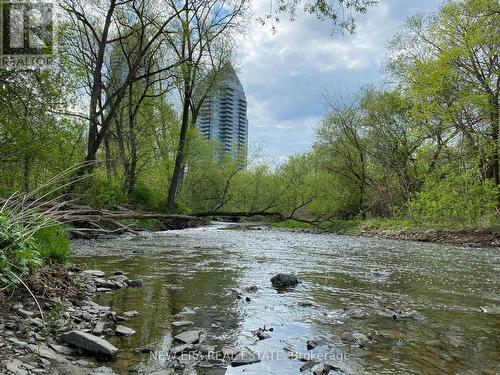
(182, 323)
(130, 314)
(284, 280)
(135, 283)
(245, 357)
(90, 343)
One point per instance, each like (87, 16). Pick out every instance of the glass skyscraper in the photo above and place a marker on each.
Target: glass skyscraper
(223, 115)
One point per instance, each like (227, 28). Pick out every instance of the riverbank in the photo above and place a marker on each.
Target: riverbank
(474, 237)
(63, 331)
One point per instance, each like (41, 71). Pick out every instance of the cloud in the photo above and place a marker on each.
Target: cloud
(286, 73)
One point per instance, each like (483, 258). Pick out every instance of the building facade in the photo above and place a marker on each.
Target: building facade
(223, 116)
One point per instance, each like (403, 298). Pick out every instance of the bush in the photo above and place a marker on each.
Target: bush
(455, 199)
(148, 197)
(101, 193)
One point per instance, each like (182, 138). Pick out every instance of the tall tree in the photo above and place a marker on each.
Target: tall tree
(204, 32)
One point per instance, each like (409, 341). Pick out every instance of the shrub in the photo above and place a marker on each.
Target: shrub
(458, 199)
(101, 193)
(147, 197)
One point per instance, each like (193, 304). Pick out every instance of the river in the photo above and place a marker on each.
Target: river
(445, 298)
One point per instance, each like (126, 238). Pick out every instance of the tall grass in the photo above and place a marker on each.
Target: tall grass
(29, 234)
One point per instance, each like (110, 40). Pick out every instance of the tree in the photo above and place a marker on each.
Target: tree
(94, 32)
(448, 65)
(204, 32)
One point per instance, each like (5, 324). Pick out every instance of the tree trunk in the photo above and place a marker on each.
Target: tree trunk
(179, 158)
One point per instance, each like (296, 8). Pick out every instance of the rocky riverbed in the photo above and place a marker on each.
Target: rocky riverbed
(61, 334)
(70, 336)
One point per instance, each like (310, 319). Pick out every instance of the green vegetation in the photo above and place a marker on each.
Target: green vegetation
(422, 152)
(27, 241)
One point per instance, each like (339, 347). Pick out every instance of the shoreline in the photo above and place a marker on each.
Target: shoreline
(458, 237)
(66, 333)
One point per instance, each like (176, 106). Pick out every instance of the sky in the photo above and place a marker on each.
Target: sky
(286, 74)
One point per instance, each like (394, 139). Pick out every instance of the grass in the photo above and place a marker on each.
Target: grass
(53, 244)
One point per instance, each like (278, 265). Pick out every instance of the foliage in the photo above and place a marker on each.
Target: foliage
(98, 191)
(455, 199)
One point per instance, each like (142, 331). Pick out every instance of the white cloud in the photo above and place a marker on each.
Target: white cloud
(285, 74)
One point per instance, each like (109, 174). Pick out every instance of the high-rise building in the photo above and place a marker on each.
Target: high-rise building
(223, 115)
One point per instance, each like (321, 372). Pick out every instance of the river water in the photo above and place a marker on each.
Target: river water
(446, 298)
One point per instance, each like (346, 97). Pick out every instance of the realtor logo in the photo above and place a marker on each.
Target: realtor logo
(27, 35)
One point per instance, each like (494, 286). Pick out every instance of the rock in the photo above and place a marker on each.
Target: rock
(145, 349)
(95, 273)
(180, 349)
(124, 331)
(103, 370)
(17, 343)
(135, 283)
(261, 334)
(354, 338)
(305, 304)
(120, 280)
(24, 313)
(36, 322)
(245, 357)
(99, 327)
(228, 352)
(207, 350)
(247, 299)
(283, 280)
(251, 289)
(189, 337)
(311, 344)
(118, 272)
(103, 290)
(182, 323)
(308, 365)
(12, 367)
(61, 349)
(110, 284)
(348, 337)
(47, 353)
(90, 343)
(299, 356)
(131, 313)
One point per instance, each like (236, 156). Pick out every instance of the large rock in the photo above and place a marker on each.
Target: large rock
(284, 280)
(90, 343)
(189, 337)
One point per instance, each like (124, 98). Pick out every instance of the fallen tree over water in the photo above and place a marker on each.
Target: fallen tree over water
(86, 221)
